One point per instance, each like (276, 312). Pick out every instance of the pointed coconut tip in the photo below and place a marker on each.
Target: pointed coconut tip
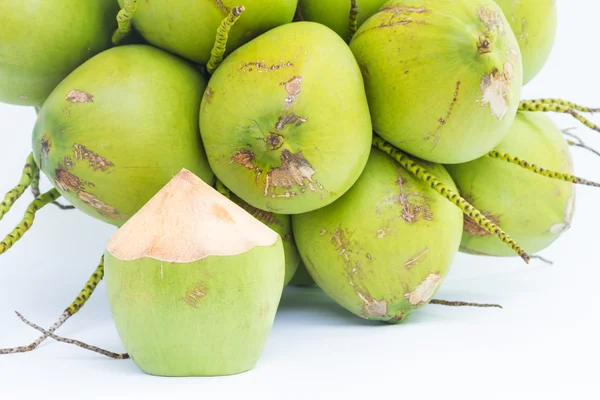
(188, 220)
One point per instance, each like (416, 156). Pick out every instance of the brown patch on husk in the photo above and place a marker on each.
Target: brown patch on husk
(374, 307)
(293, 87)
(491, 19)
(77, 96)
(208, 95)
(425, 290)
(403, 9)
(294, 171)
(415, 205)
(245, 158)
(262, 65)
(95, 161)
(417, 258)
(495, 90)
(103, 209)
(66, 181)
(289, 119)
(193, 296)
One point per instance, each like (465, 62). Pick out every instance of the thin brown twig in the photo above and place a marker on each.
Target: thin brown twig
(463, 304)
(85, 346)
(545, 260)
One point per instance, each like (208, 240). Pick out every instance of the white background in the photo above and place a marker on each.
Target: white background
(543, 344)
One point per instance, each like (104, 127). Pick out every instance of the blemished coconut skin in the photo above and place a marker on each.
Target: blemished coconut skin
(188, 27)
(534, 210)
(534, 24)
(43, 41)
(282, 224)
(443, 77)
(118, 128)
(302, 277)
(336, 13)
(285, 120)
(194, 283)
(384, 248)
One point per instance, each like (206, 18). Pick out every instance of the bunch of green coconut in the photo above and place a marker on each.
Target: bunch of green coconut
(240, 145)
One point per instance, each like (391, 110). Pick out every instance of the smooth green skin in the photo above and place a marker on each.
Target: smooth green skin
(143, 120)
(188, 27)
(369, 257)
(336, 13)
(302, 277)
(41, 42)
(223, 332)
(282, 224)
(532, 209)
(243, 104)
(534, 24)
(412, 71)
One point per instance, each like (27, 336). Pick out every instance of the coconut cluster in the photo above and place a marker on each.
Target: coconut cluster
(243, 146)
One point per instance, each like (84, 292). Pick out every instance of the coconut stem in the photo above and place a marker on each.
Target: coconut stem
(124, 21)
(77, 304)
(353, 24)
(463, 304)
(221, 188)
(539, 170)
(544, 106)
(27, 178)
(421, 173)
(118, 356)
(35, 183)
(569, 104)
(579, 142)
(220, 46)
(27, 220)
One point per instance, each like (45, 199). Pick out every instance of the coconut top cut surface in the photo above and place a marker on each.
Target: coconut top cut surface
(186, 221)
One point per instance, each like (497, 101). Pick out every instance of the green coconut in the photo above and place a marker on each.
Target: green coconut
(443, 77)
(302, 277)
(534, 24)
(336, 13)
(282, 224)
(188, 28)
(118, 128)
(194, 282)
(384, 248)
(285, 120)
(534, 210)
(43, 41)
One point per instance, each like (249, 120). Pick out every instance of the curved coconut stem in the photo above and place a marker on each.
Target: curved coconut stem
(463, 304)
(579, 142)
(220, 46)
(124, 21)
(77, 304)
(569, 104)
(107, 353)
(27, 178)
(27, 220)
(353, 24)
(470, 211)
(222, 189)
(539, 170)
(540, 106)
(35, 184)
